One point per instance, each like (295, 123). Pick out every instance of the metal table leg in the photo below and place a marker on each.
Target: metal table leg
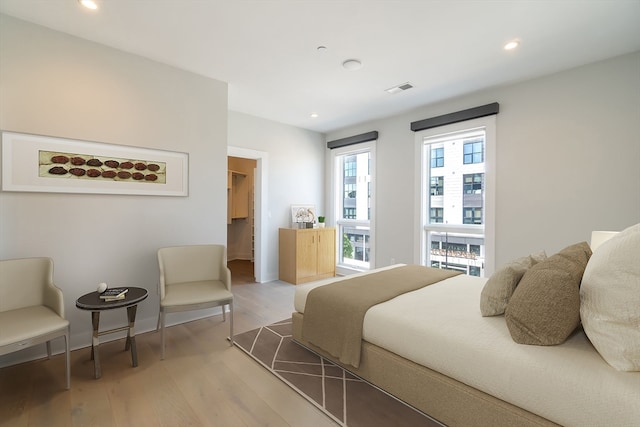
(95, 343)
(131, 334)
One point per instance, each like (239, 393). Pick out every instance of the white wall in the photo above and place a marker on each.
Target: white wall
(58, 85)
(568, 160)
(294, 176)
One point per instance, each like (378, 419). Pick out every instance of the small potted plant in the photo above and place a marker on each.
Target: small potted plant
(321, 222)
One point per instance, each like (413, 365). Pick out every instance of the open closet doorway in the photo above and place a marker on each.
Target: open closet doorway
(246, 196)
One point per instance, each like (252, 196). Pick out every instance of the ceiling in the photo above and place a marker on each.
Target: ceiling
(267, 49)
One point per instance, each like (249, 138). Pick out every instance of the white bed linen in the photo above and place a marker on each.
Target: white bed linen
(440, 327)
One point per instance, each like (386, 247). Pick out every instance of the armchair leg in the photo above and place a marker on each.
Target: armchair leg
(67, 356)
(161, 320)
(48, 349)
(230, 322)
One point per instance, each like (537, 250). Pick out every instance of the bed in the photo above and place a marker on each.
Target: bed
(433, 348)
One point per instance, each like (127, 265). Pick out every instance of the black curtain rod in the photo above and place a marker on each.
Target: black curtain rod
(357, 139)
(458, 116)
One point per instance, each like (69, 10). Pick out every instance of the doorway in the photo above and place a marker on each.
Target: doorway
(240, 216)
(258, 210)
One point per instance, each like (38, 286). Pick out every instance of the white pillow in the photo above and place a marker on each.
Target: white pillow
(610, 300)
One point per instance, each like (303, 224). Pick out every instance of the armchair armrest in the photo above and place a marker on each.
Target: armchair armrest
(225, 273)
(54, 299)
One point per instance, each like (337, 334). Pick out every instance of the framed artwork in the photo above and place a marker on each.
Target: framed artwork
(303, 213)
(49, 164)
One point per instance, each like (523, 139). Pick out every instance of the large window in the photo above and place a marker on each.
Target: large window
(353, 193)
(457, 225)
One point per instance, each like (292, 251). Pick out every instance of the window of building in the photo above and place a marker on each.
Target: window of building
(436, 215)
(349, 189)
(437, 157)
(437, 185)
(472, 216)
(349, 213)
(473, 183)
(474, 151)
(350, 166)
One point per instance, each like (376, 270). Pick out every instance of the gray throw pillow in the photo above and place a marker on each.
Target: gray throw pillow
(545, 307)
(497, 292)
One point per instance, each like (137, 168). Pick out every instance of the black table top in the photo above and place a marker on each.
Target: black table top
(92, 301)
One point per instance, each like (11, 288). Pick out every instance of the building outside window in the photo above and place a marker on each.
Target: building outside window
(454, 221)
(353, 200)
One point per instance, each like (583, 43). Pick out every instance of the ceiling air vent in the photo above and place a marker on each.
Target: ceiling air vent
(399, 88)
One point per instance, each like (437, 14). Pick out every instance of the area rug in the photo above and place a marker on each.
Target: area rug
(347, 399)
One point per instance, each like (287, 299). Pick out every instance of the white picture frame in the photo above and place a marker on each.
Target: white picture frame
(303, 213)
(37, 163)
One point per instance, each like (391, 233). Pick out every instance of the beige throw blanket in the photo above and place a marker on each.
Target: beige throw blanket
(334, 313)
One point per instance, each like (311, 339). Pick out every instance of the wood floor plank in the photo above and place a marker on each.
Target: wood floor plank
(203, 381)
(49, 399)
(15, 390)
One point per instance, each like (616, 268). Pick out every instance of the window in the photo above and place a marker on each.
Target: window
(349, 213)
(472, 216)
(350, 166)
(459, 237)
(353, 192)
(437, 185)
(349, 189)
(436, 215)
(437, 157)
(474, 151)
(473, 183)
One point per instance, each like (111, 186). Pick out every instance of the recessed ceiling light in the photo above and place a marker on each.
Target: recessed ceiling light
(321, 48)
(352, 64)
(314, 115)
(512, 45)
(89, 4)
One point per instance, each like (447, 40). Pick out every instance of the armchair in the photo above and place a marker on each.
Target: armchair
(31, 307)
(193, 278)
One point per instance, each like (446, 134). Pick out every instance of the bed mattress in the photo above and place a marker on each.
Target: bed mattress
(440, 327)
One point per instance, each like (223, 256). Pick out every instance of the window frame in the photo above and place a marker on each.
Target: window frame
(422, 167)
(335, 205)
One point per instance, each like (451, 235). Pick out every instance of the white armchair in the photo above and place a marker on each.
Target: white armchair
(193, 278)
(31, 307)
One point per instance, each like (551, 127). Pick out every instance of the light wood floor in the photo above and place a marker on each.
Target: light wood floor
(202, 381)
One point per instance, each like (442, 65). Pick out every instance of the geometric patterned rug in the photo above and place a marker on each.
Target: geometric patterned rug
(347, 399)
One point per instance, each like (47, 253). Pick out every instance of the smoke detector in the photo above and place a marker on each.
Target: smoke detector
(352, 64)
